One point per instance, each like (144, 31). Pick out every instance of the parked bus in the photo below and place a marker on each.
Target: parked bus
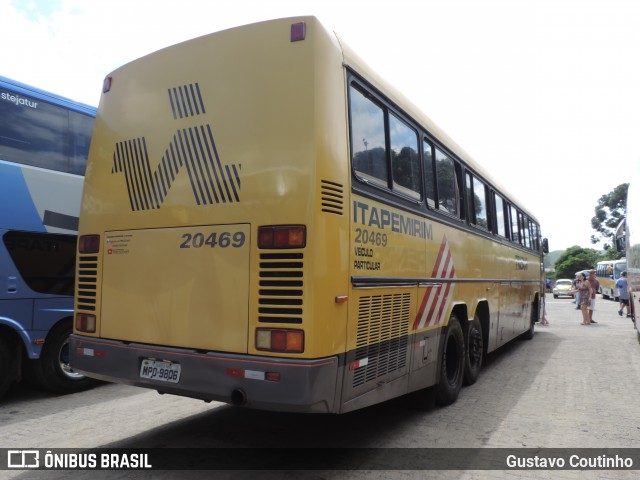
(267, 223)
(607, 272)
(632, 237)
(44, 141)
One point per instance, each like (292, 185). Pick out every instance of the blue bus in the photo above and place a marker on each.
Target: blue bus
(44, 141)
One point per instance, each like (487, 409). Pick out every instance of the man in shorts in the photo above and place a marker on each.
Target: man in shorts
(623, 285)
(595, 288)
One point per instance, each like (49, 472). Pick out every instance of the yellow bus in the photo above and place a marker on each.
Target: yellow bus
(267, 223)
(607, 273)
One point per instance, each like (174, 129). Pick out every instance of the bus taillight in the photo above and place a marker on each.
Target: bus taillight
(282, 236)
(85, 322)
(89, 244)
(279, 340)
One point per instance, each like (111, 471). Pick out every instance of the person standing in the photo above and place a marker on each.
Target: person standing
(595, 288)
(623, 285)
(576, 297)
(543, 320)
(583, 297)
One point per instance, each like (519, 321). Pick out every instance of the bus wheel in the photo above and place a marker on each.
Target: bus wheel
(528, 335)
(452, 364)
(8, 365)
(473, 352)
(52, 371)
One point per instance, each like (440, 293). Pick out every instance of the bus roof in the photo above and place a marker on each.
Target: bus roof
(42, 95)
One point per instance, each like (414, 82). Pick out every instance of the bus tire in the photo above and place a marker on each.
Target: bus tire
(473, 352)
(8, 365)
(52, 371)
(528, 335)
(451, 364)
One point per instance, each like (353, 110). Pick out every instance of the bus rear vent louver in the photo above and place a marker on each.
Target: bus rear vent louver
(332, 197)
(87, 282)
(281, 287)
(383, 328)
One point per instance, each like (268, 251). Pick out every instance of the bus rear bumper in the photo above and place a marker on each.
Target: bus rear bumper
(267, 383)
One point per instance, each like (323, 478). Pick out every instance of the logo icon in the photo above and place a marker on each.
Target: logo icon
(23, 459)
(192, 149)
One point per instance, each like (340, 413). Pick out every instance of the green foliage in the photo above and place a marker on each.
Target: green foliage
(551, 258)
(609, 212)
(575, 259)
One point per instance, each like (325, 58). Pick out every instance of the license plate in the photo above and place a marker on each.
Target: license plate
(160, 370)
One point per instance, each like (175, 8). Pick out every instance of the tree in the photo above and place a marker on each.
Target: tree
(610, 211)
(575, 259)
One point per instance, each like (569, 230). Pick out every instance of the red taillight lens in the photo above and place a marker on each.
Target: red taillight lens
(282, 236)
(279, 340)
(85, 323)
(89, 244)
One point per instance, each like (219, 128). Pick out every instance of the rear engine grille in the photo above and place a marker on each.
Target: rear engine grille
(383, 327)
(281, 288)
(87, 282)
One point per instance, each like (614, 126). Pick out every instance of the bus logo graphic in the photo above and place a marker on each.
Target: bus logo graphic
(191, 148)
(186, 101)
(437, 297)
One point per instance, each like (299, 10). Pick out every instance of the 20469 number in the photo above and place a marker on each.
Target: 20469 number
(221, 240)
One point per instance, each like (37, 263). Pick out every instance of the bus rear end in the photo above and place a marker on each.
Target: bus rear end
(204, 195)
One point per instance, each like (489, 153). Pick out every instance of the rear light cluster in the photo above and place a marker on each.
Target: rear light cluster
(89, 244)
(280, 340)
(282, 236)
(85, 322)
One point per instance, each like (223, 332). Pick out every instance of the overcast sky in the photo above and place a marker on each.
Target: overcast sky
(545, 94)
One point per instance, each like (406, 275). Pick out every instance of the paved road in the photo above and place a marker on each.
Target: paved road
(570, 387)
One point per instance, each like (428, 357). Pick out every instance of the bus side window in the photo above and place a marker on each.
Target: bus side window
(429, 176)
(35, 134)
(405, 162)
(78, 149)
(500, 217)
(515, 234)
(477, 202)
(368, 146)
(526, 231)
(535, 236)
(447, 183)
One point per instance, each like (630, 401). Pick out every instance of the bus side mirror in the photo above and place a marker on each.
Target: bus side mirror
(545, 245)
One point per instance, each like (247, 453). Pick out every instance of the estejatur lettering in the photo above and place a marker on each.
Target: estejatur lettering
(387, 220)
(18, 100)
